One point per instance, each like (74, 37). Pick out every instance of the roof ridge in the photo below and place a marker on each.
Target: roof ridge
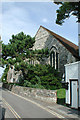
(59, 37)
(73, 48)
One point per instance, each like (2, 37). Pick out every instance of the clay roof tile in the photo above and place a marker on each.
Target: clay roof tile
(69, 45)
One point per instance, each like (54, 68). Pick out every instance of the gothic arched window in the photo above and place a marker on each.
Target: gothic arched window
(54, 57)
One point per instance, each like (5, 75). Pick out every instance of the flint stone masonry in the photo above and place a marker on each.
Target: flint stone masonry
(44, 39)
(12, 75)
(40, 94)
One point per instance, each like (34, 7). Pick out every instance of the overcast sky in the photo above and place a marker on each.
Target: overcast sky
(28, 16)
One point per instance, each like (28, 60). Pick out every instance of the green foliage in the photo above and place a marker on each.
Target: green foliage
(3, 61)
(40, 54)
(38, 86)
(18, 46)
(38, 76)
(0, 51)
(21, 80)
(67, 9)
(27, 83)
(4, 76)
(61, 93)
(42, 76)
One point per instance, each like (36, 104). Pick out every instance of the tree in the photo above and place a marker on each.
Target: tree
(67, 9)
(0, 51)
(18, 50)
(42, 76)
(17, 46)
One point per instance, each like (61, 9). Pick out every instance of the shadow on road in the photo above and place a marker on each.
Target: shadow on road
(67, 109)
(2, 113)
(7, 86)
(61, 101)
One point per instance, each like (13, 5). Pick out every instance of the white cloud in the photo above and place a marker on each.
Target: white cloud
(27, 17)
(14, 21)
(45, 20)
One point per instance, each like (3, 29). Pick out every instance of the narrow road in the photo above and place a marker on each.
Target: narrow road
(17, 107)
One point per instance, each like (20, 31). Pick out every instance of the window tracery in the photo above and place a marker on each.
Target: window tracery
(54, 57)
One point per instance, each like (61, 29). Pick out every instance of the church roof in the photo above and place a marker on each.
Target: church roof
(69, 45)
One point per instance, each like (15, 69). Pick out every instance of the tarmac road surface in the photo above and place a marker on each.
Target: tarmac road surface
(17, 107)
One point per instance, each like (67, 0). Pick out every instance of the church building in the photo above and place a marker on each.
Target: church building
(62, 51)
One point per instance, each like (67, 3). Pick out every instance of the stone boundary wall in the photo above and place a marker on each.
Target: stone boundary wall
(41, 94)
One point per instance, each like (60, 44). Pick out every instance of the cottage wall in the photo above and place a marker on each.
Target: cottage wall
(79, 80)
(72, 72)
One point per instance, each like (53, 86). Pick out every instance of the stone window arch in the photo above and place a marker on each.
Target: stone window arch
(54, 57)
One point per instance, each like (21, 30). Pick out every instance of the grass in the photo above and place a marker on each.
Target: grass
(61, 94)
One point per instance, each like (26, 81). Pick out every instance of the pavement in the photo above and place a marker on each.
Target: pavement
(19, 107)
(64, 111)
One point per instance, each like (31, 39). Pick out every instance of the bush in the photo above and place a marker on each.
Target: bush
(61, 94)
(4, 76)
(42, 76)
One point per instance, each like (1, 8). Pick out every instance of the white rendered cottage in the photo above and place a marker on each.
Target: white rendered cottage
(72, 77)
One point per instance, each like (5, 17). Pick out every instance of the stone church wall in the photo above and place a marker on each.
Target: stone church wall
(12, 75)
(45, 40)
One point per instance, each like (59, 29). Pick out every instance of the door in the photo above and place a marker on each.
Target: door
(74, 93)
